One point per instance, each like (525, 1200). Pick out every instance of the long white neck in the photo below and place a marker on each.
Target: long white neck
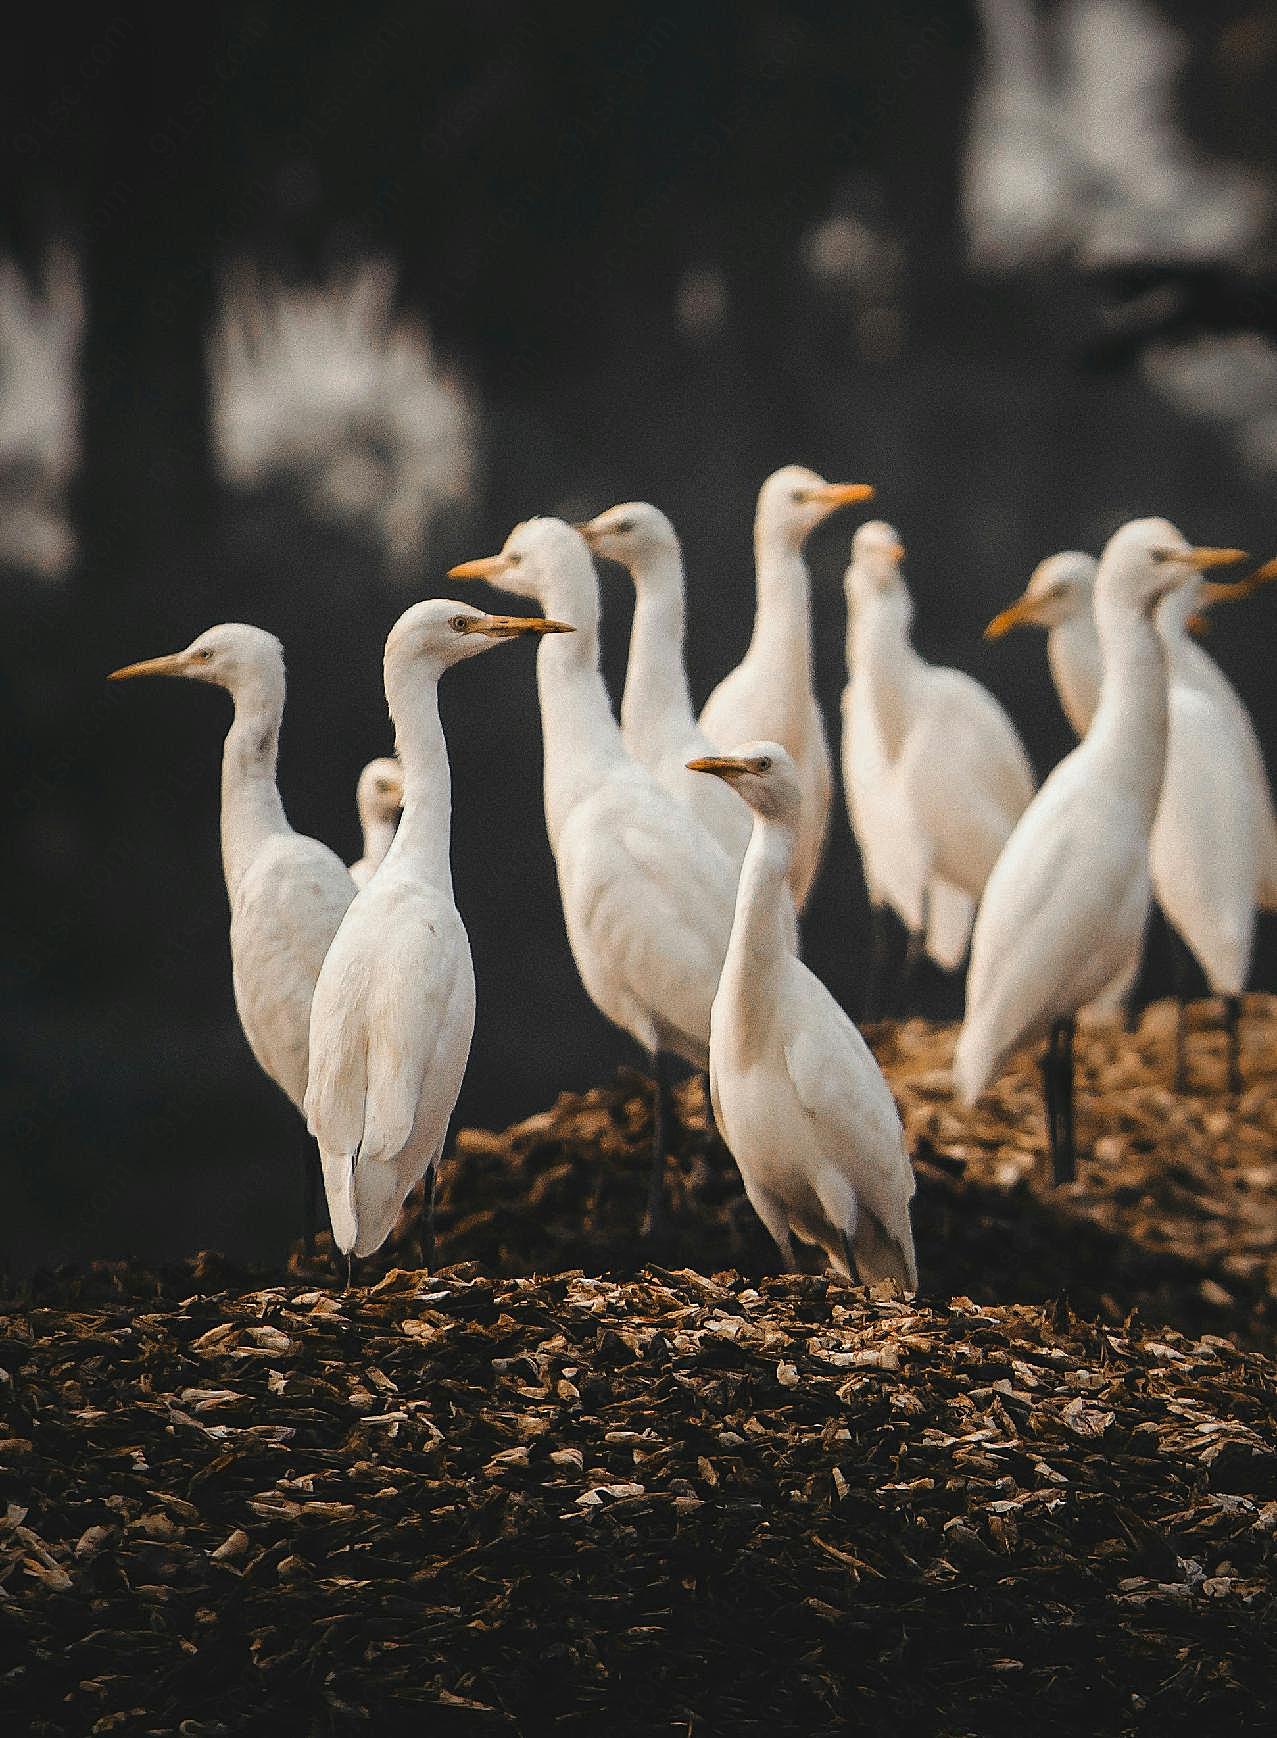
(581, 740)
(781, 639)
(882, 656)
(379, 833)
(252, 811)
(762, 931)
(1073, 652)
(423, 838)
(1127, 737)
(657, 697)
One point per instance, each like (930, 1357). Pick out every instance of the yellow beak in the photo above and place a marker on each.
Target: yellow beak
(721, 765)
(833, 495)
(510, 627)
(1023, 611)
(1203, 558)
(487, 567)
(171, 665)
(1214, 591)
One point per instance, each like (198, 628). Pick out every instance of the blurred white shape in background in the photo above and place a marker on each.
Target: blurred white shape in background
(1074, 144)
(1231, 380)
(1019, 185)
(332, 386)
(701, 302)
(1152, 194)
(40, 335)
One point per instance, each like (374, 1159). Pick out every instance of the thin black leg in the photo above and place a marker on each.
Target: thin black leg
(1057, 1089)
(915, 949)
(1050, 1098)
(1182, 978)
(662, 1117)
(1232, 1023)
(1066, 1156)
(310, 1193)
(428, 1223)
(879, 948)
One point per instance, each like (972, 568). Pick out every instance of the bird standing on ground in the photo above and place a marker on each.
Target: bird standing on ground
(936, 773)
(1065, 906)
(658, 724)
(771, 691)
(798, 1096)
(393, 1012)
(647, 892)
(378, 799)
(288, 893)
(1213, 848)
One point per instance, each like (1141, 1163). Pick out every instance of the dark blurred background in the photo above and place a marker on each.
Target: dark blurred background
(298, 306)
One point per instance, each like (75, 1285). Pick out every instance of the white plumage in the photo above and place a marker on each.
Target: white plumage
(1058, 597)
(647, 892)
(1213, 848)
(797, 1094)
(393, 1011)
(771, 692)
(1065, 906)
(658, 724)
(378, 799)
(288, 893)
(936, 774)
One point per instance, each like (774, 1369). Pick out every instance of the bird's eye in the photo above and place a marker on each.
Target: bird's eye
(204, 654)
(764, 763)
(514, 558)
(798, 495)
(459, 625)
(622, 527)
(382, 787)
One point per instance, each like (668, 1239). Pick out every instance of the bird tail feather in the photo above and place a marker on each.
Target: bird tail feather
(878, 1255)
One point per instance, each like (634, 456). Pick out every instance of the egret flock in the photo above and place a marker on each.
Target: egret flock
(686, 848)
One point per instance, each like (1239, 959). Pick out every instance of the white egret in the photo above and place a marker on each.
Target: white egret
(1058, 598)
(937, 775)
(647, 892)
(1213, 848)
(288, 893)
(378, 799)
(1065, 906)
(658, 724)
(797, 1094)
(771, 691)
(393, 1012)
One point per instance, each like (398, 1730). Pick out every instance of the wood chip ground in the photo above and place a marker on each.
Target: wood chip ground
(693, 1497)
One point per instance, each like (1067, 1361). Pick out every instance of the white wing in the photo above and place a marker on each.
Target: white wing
(853, 1117)
(967, 777)
(1205, 849)
(1062, 914)
(391, 1026)
(893, 856)
(287, 910)
(649, 906)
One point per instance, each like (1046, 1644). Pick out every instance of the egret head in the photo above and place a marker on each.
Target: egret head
(440, 633)
(794, 500)
(874, 569)
(1147, 559)
(538, 556)
(760, 772)
(379, 793)
(635, 533)
(1059, 589)
(232, 655)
